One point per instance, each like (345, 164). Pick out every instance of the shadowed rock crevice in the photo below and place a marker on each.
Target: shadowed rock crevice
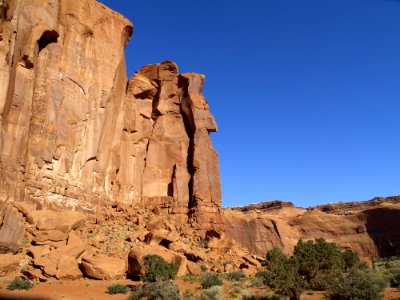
(48, 37)
(382, 227)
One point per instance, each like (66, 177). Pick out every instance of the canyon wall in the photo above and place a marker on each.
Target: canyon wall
(77, 134)
(369, 228)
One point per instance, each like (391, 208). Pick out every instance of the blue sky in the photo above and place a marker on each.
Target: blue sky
(306, 92)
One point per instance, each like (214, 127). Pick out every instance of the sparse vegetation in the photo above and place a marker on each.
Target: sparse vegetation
(162, 290)
(157, 269)
(210, 279)
(20, 284)
(355, 284)
(211, 293)
(191, 278)
(320, 265)
(235, 276)
(117, 288)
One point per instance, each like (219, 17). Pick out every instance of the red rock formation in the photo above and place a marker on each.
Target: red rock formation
(77, 134)
(365, 227)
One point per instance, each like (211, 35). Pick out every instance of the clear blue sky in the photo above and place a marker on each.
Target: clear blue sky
(306, 92)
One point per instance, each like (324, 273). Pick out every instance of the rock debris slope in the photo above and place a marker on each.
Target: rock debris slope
(77, 134)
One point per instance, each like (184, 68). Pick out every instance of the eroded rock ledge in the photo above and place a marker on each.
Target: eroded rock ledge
(76, 134)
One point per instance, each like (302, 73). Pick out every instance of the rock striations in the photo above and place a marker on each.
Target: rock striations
(77, 134)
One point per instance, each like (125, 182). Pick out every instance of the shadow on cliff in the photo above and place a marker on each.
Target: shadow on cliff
(383, 226)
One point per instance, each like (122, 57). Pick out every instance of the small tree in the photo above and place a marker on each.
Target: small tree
(157, 269)
(319, 259)
(283, 274)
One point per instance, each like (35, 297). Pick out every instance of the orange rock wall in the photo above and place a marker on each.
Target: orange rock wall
(76, 134)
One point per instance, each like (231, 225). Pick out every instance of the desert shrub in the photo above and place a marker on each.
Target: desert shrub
(203, 243)
(283, 274)
(257, 281)
(211, 293)
(191, 278)
(235, 292)
(204, 268)
(235, 276)
(161, 290)
(265, 297)
(188, 295)
(210, 279)
(357, 284)
(117, 288)
(320, 258)
(395, 281)
(157, 269)
(20, 284)
(350, 259)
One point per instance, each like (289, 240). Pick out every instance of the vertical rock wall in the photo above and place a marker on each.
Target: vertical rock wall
(76, 134)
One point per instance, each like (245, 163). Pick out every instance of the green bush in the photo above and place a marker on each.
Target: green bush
(357, 284)
(209, 279)
(161, 290)
(235, 276)
(20, 284)
(283, 274)
(157, 269)
(191, 278)
(211, 293)
(395, 281)
(117, 288)
(188, 295)
(257, 281)
(321, 258)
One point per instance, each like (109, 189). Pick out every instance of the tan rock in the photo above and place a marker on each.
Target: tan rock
(193, 268)
(39, 251)
(50, 236)
(67, 268)
(135, 259)
(74, 239)
(9, 263)
(34, 274)
(11, 229)
(47, 220)
(156, 237)
(103, 267)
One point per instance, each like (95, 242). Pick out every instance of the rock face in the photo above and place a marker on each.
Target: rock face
(77, 134)
(365, 227)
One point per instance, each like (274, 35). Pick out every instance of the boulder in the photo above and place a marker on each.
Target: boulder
(156, 237)
(11, 230)
(103, 267)
(65, 221)
(67, 268)
(46, 236)
(193, 268)
(9, 263)
(135, 259)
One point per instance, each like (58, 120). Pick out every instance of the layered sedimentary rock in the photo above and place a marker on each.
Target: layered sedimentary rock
(76, 134)
(369, 228)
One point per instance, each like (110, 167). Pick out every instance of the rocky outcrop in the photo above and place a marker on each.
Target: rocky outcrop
(76, 134)
(12, 230)
(365, 227)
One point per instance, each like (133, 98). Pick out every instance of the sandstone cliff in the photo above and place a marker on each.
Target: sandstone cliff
(369, 228)
(77, 134)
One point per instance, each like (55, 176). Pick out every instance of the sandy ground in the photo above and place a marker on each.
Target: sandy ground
(86, 289)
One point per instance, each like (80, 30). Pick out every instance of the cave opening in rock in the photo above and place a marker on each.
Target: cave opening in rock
(48, 37)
